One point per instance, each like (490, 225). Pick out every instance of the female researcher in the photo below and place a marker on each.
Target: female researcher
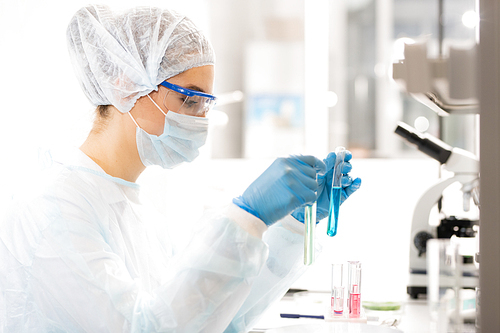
(76, 257)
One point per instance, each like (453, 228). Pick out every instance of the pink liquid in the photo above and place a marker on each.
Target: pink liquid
(354, 305)
(337, 305)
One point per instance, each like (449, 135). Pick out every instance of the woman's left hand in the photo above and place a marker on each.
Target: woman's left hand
(349, 186)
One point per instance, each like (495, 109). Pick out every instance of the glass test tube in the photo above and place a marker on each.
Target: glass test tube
(337, 301)
(336, 193)
(310, 223)
(354, 289)
(444, 273)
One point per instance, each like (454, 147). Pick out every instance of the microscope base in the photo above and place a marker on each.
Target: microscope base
(414, 291)
(418, 284)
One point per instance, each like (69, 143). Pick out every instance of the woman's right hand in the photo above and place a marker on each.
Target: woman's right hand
(288, 183)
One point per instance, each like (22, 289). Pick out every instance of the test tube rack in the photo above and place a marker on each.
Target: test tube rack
(354, 285)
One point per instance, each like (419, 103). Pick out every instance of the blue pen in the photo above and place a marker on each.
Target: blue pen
(293, 315)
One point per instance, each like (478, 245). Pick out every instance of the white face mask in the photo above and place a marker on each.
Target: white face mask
(181, 138)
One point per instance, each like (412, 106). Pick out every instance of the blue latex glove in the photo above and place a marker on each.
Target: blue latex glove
(288, 183)
(349, 186)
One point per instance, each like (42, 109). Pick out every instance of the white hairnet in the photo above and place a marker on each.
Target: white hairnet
(121, 56)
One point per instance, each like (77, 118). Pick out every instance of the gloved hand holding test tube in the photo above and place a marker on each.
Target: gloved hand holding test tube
(322, 207)
(336, 193)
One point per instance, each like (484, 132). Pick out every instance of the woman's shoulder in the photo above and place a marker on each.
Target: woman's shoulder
(58, 199)
(56, 190)
(74, 177)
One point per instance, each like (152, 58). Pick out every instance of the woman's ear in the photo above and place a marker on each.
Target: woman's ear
(122, 85)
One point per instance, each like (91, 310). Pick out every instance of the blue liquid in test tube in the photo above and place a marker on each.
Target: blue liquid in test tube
(334, 207)
(336, 192)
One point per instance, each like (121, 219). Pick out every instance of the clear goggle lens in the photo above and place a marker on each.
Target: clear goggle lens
(192, 103)
(189, 105)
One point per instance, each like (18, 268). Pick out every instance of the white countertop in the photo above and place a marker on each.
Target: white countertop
(413, 317)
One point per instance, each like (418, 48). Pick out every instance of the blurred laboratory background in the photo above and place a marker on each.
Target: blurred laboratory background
(293, 77)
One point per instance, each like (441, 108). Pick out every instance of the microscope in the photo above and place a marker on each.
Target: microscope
(465, 168)
(445, 85)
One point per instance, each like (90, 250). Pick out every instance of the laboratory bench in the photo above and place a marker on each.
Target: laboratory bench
(412, 317)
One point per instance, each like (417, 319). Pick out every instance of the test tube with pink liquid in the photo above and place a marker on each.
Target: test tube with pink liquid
(337, 301)
(354, 289)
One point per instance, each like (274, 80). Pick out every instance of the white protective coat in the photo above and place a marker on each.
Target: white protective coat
(75, 256)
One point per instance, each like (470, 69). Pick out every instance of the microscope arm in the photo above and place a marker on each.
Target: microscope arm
(430, 198)
(421, 231)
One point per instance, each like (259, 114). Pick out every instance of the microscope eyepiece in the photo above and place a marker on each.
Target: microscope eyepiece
(407, 134)
(426, 143)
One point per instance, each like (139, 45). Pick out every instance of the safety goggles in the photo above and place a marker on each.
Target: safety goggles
(186, 101)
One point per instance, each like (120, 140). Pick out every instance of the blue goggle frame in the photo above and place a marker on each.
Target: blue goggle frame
(186, 91)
